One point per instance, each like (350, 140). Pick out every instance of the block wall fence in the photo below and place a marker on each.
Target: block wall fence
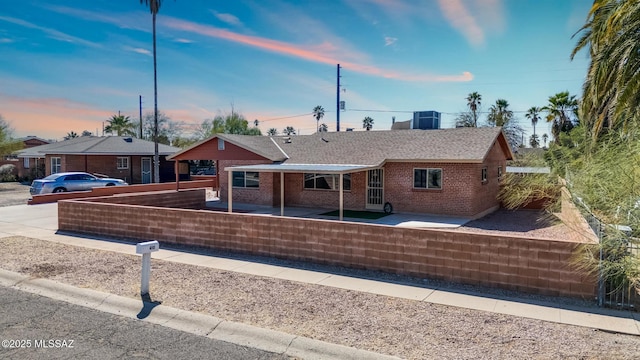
(516, 263)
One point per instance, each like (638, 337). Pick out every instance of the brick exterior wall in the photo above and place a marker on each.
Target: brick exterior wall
(263, 195)
(107, 165)
(517, 263)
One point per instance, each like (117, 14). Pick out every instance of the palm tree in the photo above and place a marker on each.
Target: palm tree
(272, 132)
(559, 111)
(289, 130)
(499, 113)
(545, 137)
(318, 113)
(120, 125)
(473, 102)
(532, 114)
(367, 123)
(71, 135)
(154, 7)
(610, 97)
(534, 141)
(323, 127)
(256, 122)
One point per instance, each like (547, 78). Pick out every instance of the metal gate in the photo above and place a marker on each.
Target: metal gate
(375, 189)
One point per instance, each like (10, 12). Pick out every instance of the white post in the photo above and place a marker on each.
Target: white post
(341, 182)
(230, 192)
(146, 248)
(146, 274)
(281, 194)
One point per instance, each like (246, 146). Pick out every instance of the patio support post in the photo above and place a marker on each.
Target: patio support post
(281, 193)
(176, 168)
(230, 192)
(341, 182)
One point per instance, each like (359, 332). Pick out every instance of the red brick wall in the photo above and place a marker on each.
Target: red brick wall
(517, 263)
(296, 195)
(263, 195)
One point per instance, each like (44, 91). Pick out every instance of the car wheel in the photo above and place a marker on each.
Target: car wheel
(59, 190)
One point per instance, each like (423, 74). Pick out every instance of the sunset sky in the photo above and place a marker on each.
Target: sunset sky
(69, 65)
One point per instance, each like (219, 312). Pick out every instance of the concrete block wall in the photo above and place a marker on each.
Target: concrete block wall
(182, 199)
(517, 263)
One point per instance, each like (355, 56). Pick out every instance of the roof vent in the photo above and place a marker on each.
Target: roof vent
(128, 139)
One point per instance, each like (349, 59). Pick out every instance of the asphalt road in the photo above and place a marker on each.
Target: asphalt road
(36, 327)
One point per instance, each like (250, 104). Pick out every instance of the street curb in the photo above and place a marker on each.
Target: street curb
(191, 322)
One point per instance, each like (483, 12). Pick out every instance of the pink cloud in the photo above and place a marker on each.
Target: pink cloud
(321, 53)
(460, 18)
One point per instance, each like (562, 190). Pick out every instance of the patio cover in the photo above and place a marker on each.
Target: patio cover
(297, 168)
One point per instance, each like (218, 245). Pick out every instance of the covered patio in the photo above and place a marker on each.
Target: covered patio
(297, 168)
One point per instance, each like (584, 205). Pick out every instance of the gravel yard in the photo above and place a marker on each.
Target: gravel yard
(13, 193)
(400, 327)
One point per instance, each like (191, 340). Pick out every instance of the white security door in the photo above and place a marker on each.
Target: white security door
(146, 170)
(375, 189)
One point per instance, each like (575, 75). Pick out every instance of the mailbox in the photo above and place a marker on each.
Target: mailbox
(147, 247)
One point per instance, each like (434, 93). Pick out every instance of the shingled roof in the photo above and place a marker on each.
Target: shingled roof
(373, 148)
(93, 145)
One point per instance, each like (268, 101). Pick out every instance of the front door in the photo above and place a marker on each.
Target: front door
(146, 170)
(375, 189)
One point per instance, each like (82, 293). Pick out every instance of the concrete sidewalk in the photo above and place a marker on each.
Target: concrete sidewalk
(40, 222)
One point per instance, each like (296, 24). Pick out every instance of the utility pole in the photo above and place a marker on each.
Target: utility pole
(140, 116)
(338, 101)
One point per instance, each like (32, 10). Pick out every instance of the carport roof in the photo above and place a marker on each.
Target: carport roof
(303, 168)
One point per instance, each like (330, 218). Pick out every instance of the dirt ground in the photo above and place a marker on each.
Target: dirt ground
(14, 193)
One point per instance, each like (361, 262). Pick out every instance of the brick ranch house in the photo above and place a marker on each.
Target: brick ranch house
(121, 157)
(27, 167)
(451, 172)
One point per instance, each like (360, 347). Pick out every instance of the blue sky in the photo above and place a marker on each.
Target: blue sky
(69, 65)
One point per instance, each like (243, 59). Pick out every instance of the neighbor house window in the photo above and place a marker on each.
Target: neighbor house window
(123, 162)
(427, 178)
(246, 179)
(484, 174)
(499, 172)
(56, 165)
(25, 163)
(326, 181)
(220, 144)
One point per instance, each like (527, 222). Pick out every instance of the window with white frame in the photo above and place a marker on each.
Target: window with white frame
(484, 174)
(25, 163)
(246, 179)
(427, 178)
(122, 162)
(327, 181)
(56, 165)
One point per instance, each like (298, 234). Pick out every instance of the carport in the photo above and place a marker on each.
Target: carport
(296, 168)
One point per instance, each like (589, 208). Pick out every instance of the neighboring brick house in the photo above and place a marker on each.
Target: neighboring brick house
(121, 157)
(447, 172)
(28, 167)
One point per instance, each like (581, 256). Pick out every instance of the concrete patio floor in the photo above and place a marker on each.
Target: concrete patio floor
(395, 219)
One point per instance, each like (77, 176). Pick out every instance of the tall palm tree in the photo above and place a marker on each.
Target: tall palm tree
(289, 130)
(120, 125)
(532, 114)
(272, 132)
(367, 123)
(154, 7)
(473, 102)
(560, 109)
(71, 135)
(499, 113)
(318, 113)
(610, 94)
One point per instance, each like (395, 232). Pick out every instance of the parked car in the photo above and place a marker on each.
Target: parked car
(71, 181)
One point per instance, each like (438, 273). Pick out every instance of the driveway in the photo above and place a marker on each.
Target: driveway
(14, 193)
